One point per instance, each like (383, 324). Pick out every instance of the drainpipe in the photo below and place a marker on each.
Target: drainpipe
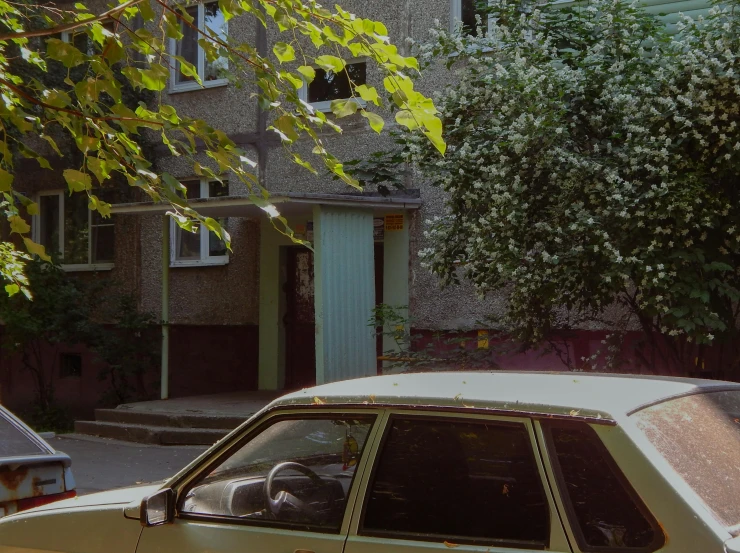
(165, 385)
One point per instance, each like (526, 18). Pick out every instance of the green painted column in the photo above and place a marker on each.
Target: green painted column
(165, 360)
(344, 282)
(271, 364)
(396, 275)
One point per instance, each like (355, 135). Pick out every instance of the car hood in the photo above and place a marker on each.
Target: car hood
(121, 496)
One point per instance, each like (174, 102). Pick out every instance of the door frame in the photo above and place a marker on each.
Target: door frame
(289, 261)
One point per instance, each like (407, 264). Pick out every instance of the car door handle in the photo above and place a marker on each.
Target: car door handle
(303, 551)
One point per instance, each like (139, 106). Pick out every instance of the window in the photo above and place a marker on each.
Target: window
(464, 11)
(202, 247)
(68, 229)
(70, 364)
(604, 511)
(328, 86)
(699, 436)
(294, 472)
(207, 18)
(458, 481)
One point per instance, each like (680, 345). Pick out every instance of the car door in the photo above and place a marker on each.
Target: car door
(308, 461)
(466, 482)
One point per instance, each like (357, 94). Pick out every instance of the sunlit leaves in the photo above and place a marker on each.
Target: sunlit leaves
(284, 52)
(376, 121)
(6, 180)
(18, 225)
(64, 52)
(77, 181)
(308, 72)
(330, 63)
(368, 93)
(91, 111)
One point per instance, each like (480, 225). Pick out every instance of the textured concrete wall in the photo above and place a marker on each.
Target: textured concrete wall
(208, 295)
(198, 295)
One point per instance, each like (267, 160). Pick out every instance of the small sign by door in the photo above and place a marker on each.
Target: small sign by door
(393, 222)
(378, 229)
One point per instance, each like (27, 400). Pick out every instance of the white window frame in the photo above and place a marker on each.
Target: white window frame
(189, 86)
(456, 16)
(36, 231)
(205, 258)
(325, 106)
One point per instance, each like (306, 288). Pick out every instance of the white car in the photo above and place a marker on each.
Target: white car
(423, 463)
(31, 472)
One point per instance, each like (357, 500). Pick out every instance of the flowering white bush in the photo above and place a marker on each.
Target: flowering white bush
(593, 159)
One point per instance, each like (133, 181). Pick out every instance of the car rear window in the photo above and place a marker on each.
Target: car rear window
(699, 436)
(15, 442)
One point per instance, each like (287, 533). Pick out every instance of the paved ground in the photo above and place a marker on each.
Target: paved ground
(99, 464)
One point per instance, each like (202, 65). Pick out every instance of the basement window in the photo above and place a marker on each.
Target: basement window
(70, 365)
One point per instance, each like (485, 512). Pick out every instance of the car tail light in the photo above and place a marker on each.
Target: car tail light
(31, 502)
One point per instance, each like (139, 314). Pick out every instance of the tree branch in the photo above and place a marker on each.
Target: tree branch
(69, 26)
(76, 113)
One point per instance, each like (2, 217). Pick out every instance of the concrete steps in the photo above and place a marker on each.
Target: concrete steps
(161, 428)
(193, 420)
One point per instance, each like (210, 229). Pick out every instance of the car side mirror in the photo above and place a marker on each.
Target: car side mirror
(158, 508)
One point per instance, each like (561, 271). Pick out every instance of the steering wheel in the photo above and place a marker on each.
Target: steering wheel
(282, 499)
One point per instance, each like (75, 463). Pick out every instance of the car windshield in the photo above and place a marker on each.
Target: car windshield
(14, 442)
(699, 436)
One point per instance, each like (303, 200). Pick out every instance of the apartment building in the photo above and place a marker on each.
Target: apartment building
(270, 314)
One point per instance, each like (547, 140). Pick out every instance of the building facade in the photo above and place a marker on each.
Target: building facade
(270, 314)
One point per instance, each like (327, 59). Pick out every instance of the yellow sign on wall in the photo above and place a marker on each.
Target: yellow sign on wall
(393, 222)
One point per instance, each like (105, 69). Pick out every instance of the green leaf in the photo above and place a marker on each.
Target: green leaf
(32, 208)
(375, 120)
(64, 52)
(330, 63)
(155, 78)
(285, 127)
(283, 52)
(380, 29)
(12, 289)
(77, 180)
(188, 69)
(368, 93)
(406, 119)
(343, 108)
(96, 204)
(6, 180)
(18, 225)
(36, 249)
(308, 72)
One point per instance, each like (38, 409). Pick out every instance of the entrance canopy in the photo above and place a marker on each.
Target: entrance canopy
(345, 290)
(287, 204)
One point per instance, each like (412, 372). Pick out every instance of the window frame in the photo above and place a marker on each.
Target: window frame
(205, 259)
(513, 420)
(89, 266)
(562, 491)
(279, 414)
(456, 16)
(188, 86)
(325, 105)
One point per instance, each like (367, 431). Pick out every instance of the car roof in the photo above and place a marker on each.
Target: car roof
(571, 394)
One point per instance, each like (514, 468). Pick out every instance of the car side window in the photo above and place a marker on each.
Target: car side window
(605, 512)
(457, 480)
(293, 472)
